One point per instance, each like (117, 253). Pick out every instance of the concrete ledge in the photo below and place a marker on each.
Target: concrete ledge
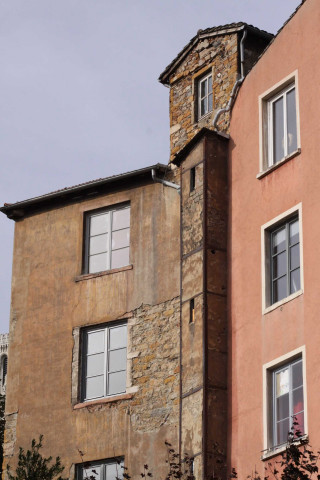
(88, 276)
(277, 165)
(115, 398)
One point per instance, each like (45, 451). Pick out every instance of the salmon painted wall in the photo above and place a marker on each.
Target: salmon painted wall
(256, 338)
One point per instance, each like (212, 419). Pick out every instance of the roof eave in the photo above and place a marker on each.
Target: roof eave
(17, 210)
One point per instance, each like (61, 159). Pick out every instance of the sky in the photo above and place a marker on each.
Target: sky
(79, 91)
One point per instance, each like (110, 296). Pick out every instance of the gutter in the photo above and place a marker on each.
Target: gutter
(164, 182)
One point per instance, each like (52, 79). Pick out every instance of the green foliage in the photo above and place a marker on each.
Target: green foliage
(33, 466)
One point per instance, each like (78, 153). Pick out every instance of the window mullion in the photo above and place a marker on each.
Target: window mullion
(110, 239)
(106, 349)
(285, 124)
(270, 134)
(288, 258)
(290, 397)
(274, 403)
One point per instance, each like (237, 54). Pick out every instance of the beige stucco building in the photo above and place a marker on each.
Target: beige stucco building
(176, 302)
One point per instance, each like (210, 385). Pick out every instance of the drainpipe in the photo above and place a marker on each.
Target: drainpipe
(164, 182)
(235, 86)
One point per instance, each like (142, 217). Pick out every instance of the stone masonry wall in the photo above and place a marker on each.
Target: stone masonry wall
(155, 370)
(218, 54)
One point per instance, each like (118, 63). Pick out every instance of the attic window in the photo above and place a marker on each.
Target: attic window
(205, 95)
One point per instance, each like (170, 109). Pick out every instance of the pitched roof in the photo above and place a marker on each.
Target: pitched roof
(202, 34)
(78, 192)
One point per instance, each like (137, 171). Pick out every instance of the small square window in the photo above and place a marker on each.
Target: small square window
(107, 239)
(286, 405)
(282, 259)
(205, 95)
(104, 361)
(101, 470)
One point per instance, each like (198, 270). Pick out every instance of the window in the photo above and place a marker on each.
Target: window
(282, 125)
(282, 259)
(191, 317)
(285, 260)
(4, 369)
(107, 237)
(104, 361)
(287, 402)
(102, 470)
(192, 179)
(205, 95)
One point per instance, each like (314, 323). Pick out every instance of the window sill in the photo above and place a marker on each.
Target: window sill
(88, 276)
(100, 401)
(274, 451)
(204, 117)
(282, 302)
(277, 165)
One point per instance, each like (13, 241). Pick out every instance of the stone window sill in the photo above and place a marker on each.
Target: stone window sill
(88, 276)
(100, 401)
(277, 165)
(283, 301)
(273, 452)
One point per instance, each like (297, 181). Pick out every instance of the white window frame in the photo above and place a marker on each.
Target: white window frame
(106, 328)
(202, 80)
(266, 230)
(83, 469)
(266, 101)
(268, 371)
(87, 238)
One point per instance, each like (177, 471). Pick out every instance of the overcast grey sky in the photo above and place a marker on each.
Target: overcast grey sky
(79, 96)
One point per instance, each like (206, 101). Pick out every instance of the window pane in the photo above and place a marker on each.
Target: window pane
(278, 130)
(280, 265)
(113, 470)
(120, 258)
(282, 382)
(118, 337)
(203, 107)
(295, 281)
(209, 84)
(117, 360)
(282, 407)
(280, 289)
(299, 429)
(99, 244)
(95, 387)
(96, 342)
(210, 102)
(297, 400)
(282, 431)
(98, 263)
(117, 383)
(93, 472)
(291, 121)
(294, 257)
(121, 219)
(279, 241)
(95, 364)
(99, 224)
(121, 238)
(297, 380)
(203, 86)
(294, 232)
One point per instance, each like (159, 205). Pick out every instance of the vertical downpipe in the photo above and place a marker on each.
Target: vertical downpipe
(180, 360)
(205, 313)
